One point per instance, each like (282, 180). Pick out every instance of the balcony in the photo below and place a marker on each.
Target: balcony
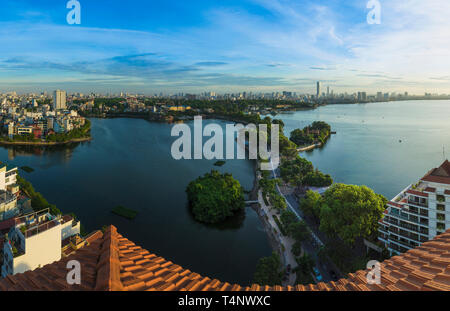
(418, 203)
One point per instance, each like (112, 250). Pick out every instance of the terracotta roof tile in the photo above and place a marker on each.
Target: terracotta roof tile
(111, 262)
(417, 193)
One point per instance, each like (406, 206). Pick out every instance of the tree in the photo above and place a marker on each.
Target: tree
(295, 170)
(311, 204)
(318, 131)
(304, 269)
(287, 147)
(268, 271)
(278, 202)
(351, 212)
(300, 137)
(297, 248)
(214, 197)
(299, 231)
(318, 179)
(287, 218)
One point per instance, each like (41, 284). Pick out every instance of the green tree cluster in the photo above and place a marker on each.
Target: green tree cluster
(304, 270)
(77, 133)
(300, 172)
(317, 132)
(268, 187)
(317, 179)
(215, 197)
(268, 271)
(347, 211)
(294, 171)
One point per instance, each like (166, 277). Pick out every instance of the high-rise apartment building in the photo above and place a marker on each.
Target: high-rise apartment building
(418, 213)
(362, 96)
(318, 89)
(59, 100)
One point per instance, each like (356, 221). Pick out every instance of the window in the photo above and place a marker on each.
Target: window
(440, 198)
(440, 226)
(440, 207)
(440, 216)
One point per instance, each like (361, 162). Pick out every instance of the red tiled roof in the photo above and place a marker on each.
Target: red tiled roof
(447, 192)
(430, 189)
(113, 263)
(418, 193)
(439, 175)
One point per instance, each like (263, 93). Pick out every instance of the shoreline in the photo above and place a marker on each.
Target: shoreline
(43, 144)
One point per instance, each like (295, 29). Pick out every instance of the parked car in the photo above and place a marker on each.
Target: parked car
(317, 274)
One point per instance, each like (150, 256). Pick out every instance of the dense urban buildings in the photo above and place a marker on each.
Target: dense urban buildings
(418, 213)
(36, 116)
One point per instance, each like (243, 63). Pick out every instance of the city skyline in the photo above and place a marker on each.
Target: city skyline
(257, 46)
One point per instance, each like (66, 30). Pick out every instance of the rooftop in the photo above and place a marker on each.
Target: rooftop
(36, 222)
(440, 174)
(111, 262)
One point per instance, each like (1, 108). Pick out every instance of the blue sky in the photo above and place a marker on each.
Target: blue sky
(225, 46)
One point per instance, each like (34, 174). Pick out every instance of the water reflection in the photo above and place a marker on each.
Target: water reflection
(57, 154)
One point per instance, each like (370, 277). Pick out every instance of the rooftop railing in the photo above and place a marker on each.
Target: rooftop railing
(40, 228)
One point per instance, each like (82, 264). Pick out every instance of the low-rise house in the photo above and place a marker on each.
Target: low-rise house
(36, 240)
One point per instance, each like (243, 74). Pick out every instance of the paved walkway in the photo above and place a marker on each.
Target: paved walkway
(287, 242)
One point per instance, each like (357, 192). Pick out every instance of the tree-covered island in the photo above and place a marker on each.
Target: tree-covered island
(317, 132)
(215, 197)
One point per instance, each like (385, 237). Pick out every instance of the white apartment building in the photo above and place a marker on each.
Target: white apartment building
(35, 241)
(418, 213)
(8, 176)
(59, 99)
(8, 199)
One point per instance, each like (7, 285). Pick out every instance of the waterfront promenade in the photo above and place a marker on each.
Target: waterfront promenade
(284, 243)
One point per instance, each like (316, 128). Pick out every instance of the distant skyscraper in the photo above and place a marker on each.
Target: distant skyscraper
(318, 89)
(379, 96)
(328, 91)
(59, 100)
(362, 96)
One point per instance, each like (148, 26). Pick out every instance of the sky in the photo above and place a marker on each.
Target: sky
(225, 46)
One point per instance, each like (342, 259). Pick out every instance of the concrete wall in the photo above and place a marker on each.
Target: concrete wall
(41, 249)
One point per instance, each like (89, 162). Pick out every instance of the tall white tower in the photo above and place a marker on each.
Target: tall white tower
(59, 100)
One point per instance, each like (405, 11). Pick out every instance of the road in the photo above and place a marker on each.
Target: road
(311, 247)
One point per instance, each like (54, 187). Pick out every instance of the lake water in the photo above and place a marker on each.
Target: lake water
(386, 146)
(129, 163)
